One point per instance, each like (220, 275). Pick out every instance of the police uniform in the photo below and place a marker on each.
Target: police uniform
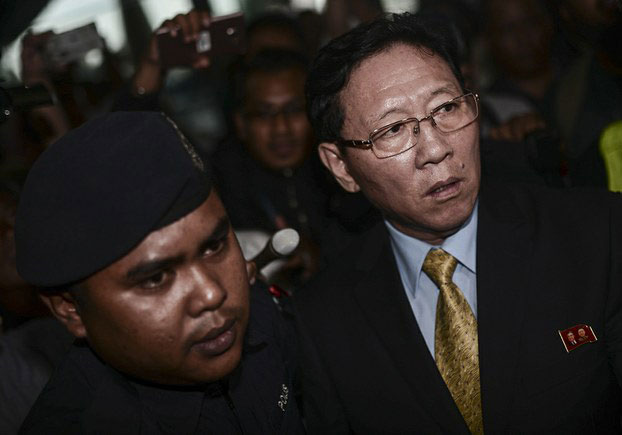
(88, 201)
(87, 396)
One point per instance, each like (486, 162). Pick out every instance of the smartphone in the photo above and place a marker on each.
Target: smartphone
(224, 35)
(64, 48)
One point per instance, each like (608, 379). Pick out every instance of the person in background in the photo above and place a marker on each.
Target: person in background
(274, 30)
(19, 300)
(588, 94)
(521, 96)
(266, 174)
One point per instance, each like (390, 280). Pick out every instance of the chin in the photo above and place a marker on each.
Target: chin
(227, 363)
(449, 221)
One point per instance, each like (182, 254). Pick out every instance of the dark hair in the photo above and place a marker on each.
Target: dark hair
(335, 62)
(280, 21)
(266, 61)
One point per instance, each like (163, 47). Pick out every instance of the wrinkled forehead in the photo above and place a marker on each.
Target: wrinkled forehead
(400, 74)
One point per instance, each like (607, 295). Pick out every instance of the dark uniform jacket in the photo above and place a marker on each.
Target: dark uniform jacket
(546, 261)
(85, 396)
(258, 198)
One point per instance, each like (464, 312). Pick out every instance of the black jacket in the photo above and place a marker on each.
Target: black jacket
(546, 260)
(85, 396)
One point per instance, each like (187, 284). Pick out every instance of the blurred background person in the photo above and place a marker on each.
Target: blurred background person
(589, 93)
(32, 342)
(268, 174)
(520, 93)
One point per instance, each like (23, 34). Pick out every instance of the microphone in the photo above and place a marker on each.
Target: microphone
(281, 244)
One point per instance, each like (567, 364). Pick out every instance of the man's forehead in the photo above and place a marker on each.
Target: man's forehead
(388, 65)
(275, 91)
(393, 80)
(279, 78)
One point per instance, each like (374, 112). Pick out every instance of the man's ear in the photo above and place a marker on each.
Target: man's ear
(240, 125)
(251, 272)
(65, 309)
(331, 156)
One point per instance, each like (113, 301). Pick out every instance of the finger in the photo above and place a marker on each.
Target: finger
(153, 51)
(205, 18)
(194, 20)
(201, 62)
(185, 27)
(171, 26)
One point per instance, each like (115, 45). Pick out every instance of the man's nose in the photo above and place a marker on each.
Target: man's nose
(433, 146)
(206, 292)
(280, 122)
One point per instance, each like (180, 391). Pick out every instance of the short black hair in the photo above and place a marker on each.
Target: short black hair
(279, 21)
(335, 62)
(272, 60)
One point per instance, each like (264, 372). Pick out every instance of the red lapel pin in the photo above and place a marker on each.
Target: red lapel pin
(576, 336)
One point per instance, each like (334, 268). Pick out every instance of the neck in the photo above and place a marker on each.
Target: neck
(431, 237)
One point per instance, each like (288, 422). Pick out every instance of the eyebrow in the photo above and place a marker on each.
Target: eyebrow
(221, 230)
(150, 267)
(444, 90)
(390, 111)
(441, 90)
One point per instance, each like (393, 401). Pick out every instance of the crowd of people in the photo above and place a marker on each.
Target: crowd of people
(449, 172)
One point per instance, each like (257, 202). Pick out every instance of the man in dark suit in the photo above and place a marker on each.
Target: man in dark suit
(445, 317)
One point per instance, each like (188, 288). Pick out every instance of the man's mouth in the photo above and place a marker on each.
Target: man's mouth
(218, 340)
(283, 149)
(445, 189)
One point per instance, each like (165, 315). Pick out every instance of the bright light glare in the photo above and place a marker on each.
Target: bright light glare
(63, 15)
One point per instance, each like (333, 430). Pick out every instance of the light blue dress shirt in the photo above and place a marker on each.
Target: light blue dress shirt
(422, 293)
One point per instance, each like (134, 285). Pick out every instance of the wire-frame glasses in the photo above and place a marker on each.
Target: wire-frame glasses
(400, 136)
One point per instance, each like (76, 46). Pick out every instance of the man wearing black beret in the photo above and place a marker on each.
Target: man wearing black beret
(119, 226)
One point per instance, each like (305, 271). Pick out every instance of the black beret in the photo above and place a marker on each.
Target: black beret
(99, 191)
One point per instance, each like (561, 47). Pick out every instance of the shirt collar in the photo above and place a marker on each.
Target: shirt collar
(411, 252)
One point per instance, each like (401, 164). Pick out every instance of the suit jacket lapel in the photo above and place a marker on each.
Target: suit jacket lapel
(381, 297)
(503, 247)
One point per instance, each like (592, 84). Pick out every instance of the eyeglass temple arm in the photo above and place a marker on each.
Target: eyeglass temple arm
(362, 144)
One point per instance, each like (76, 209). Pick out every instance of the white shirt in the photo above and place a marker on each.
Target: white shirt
(422, 293)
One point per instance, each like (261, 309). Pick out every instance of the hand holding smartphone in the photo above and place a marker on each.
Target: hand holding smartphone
(64, 48)
(224, 35)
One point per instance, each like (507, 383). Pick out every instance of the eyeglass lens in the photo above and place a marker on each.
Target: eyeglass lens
(399, 136)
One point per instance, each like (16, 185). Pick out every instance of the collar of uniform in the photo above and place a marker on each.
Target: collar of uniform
(179, 407)
(257, 334)
(411, 252)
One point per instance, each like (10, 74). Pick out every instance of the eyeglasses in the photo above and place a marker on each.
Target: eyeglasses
(400, 136)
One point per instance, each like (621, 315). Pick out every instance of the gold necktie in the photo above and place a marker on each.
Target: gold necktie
(455, 339)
